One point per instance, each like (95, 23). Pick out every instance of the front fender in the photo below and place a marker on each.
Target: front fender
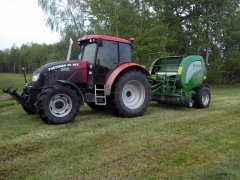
(120, 70)
(79, 92)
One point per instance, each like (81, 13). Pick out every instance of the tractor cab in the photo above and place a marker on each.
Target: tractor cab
(103, 54)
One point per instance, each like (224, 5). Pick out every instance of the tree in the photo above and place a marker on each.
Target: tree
(14, 55)
(66, 15)
(126, 19)
(160, 27)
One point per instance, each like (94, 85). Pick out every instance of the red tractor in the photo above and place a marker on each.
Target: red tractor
(104, 77)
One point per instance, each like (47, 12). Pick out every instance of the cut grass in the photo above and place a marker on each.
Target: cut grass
(167, 142)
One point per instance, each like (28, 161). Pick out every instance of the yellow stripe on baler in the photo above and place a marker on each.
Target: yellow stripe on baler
(180, 70)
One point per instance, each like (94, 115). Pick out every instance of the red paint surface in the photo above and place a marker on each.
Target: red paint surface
(103, 37)
(83, 71)
(82, 64)
(116, 72)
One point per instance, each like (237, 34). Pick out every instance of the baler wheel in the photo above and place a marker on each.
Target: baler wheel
(132, 94)
(58, 104)
(202, 98)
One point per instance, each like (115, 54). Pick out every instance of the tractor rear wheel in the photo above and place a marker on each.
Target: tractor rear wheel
(202, 98)
(58, 104)
(132, 94)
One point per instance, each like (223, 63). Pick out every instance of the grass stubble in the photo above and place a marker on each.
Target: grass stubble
(168, 142)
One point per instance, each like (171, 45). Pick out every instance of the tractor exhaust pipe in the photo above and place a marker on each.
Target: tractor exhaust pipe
(69, 49)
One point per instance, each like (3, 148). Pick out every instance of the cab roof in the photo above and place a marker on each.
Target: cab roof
(104, 37)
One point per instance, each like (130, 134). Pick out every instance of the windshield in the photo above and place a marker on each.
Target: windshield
(87, 52)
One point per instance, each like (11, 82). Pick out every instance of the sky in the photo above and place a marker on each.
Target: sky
(23, 21)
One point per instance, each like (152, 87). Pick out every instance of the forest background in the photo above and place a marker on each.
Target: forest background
(160, 28)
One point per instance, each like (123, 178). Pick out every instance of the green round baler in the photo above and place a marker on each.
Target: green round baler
(180, 80)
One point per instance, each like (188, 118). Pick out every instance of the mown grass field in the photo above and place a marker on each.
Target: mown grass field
(169, 142)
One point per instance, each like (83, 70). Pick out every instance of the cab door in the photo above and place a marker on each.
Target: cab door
(107, 59)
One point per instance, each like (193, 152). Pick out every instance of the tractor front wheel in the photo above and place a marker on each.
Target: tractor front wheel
(58, 104)
(28, 107)
(202, 98)
(132, 94)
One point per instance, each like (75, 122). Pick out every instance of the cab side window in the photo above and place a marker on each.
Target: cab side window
(124, 53)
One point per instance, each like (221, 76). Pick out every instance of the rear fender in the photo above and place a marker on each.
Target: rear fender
(73, 86)
(117, 72)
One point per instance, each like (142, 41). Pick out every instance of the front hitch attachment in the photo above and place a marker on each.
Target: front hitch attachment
(23, 99)
(13, 93)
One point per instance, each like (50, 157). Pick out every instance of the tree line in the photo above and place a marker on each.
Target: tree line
(30, 56)
(160, 28)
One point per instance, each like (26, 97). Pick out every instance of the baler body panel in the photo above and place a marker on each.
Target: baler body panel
(191, 73)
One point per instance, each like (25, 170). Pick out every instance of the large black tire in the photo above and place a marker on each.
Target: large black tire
(28, 108)
(31, 110)
(131, 94)
(58, 104)
(202, 97)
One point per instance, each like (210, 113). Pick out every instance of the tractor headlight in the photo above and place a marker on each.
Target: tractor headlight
(35, 77)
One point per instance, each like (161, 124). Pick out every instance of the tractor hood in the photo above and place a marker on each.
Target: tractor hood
(75, 71)
(59, 65)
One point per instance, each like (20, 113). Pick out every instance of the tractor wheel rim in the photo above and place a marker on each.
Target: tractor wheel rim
(60, 105)
(133, 94)
(205, 98)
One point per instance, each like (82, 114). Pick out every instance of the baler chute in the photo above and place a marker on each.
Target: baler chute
(179, 80)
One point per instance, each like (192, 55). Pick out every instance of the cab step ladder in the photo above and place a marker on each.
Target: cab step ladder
(100, 95)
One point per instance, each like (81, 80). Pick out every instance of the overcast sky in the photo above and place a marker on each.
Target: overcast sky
(22, 21)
